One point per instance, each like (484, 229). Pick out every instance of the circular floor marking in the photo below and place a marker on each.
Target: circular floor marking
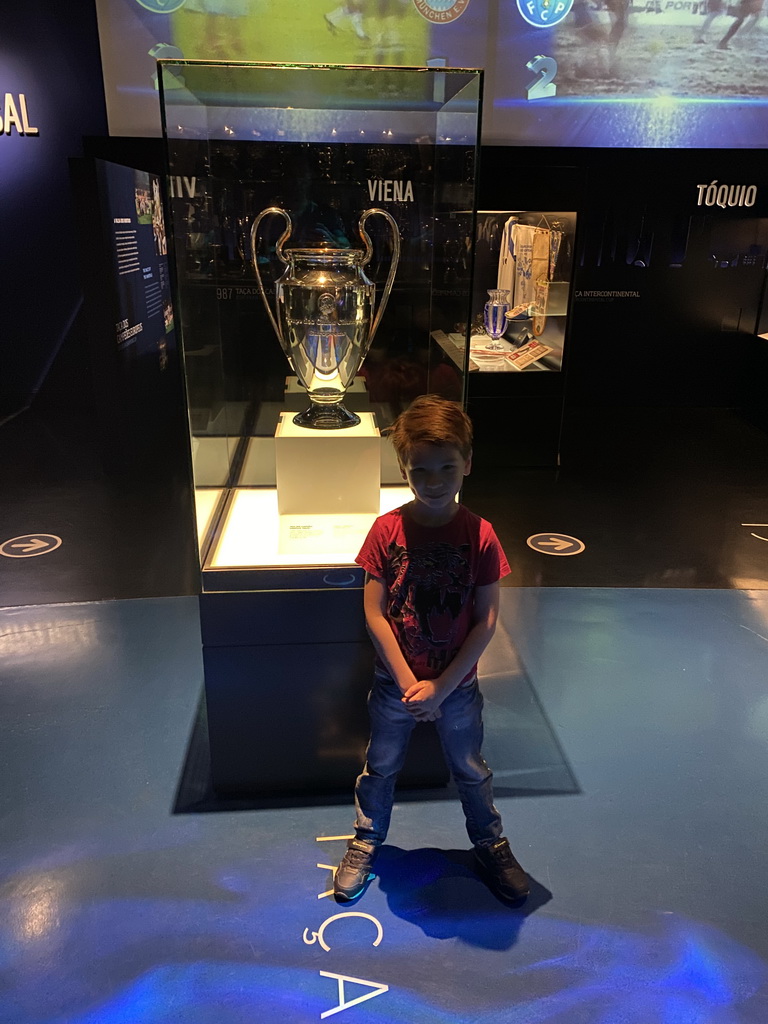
(29, 545)
(556, 544)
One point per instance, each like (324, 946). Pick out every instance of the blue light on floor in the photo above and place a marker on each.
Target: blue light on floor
(648, 902)
(451, 952)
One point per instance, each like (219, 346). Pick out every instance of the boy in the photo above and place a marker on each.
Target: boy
(431, 602)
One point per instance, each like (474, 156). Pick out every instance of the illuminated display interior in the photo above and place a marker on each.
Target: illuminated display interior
(254, 534)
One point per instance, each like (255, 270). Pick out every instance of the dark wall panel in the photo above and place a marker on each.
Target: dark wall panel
(49, 54)
(667, 290)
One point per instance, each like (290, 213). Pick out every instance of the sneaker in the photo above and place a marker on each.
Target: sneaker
(506, 876)
(354, 871)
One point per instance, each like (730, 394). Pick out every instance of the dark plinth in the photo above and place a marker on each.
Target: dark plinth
(287, 673)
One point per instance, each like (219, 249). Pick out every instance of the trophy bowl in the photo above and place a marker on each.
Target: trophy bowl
(325, 318)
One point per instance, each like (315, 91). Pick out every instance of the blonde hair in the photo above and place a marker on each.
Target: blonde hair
(431, 419)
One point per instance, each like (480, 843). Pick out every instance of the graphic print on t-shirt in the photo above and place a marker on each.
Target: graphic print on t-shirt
(432, 586)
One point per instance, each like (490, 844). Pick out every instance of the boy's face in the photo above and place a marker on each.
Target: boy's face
(435, 474)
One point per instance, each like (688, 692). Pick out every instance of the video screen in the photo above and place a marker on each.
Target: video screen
(607, 73)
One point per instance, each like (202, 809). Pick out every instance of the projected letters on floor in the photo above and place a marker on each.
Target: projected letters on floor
(376, 989)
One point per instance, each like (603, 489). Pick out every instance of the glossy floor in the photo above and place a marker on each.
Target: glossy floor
(630, 728)
(659, 498)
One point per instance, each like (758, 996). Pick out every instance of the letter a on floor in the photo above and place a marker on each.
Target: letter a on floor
(343, 1004)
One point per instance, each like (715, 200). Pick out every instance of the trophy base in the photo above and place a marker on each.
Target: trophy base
(326, 417)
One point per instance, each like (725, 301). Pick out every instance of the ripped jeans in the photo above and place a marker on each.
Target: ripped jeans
(460, 729)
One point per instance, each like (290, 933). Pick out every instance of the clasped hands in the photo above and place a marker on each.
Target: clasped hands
(423, 700)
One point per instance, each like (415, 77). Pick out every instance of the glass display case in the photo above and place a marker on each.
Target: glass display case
(323, 219)
(521, 290)
(319, 148)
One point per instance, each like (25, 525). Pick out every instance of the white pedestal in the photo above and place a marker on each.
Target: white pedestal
(322, 472)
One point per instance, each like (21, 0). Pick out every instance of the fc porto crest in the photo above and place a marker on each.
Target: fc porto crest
(544, 13)
(441, 11)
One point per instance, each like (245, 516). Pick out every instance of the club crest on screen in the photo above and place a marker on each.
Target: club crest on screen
(161, 6)
(441, 10)
(544, 13)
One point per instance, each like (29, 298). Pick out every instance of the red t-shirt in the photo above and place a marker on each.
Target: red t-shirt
(430, 573)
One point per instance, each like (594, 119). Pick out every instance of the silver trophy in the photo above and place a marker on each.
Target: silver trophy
(325, 316)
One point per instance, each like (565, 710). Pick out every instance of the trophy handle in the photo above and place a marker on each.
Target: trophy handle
(278, 250)
(395, 259)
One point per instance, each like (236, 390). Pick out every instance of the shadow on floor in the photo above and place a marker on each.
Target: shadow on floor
(440, 892)
(520, 746)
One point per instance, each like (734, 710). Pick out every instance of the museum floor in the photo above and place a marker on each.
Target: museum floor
(627, 724)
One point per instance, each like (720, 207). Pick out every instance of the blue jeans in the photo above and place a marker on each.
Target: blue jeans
(460, 729)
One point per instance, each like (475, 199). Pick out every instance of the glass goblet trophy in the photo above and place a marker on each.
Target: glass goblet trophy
(325, 315)
(495, 316)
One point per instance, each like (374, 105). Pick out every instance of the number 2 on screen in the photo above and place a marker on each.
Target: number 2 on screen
(542, 85)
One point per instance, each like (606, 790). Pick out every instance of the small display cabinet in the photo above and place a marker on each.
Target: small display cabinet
(522, 283)
(520, 310)
(322, 220)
